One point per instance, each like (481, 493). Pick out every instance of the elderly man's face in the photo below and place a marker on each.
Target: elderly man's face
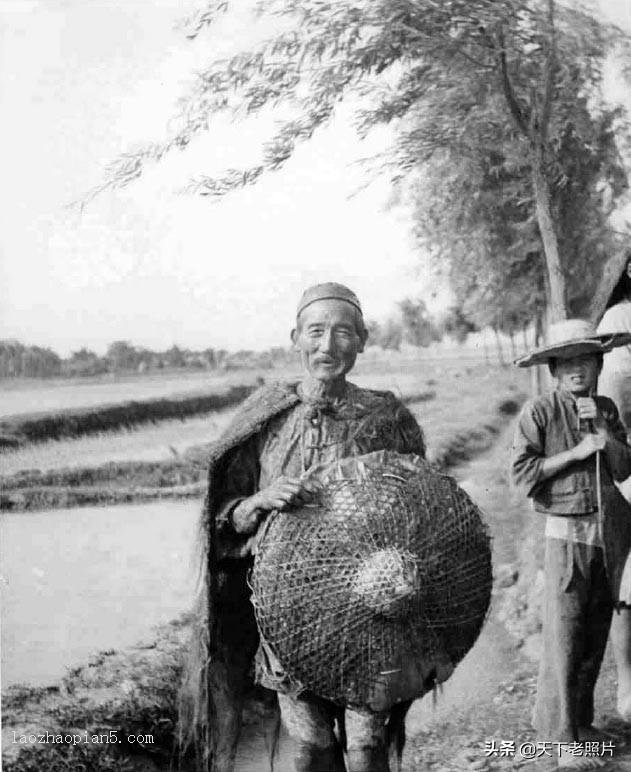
(329, 338)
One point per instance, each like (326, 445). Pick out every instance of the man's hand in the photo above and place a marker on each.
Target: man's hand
(591, 443)
(285, 492)
(282, 493)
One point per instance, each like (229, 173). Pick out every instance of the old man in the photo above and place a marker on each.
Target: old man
(262, 463)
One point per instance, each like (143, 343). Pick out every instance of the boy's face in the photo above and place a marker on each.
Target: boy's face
(578, 375)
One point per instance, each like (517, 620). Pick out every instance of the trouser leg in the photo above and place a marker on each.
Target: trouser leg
(598, 611)
(554, 714)
(309, 721)
(366, 741)
(621, 643)
(621, 621)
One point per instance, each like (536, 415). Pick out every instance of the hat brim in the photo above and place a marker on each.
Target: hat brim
(598, 344)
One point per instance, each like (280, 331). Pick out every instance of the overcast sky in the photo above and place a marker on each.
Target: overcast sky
(81, 81)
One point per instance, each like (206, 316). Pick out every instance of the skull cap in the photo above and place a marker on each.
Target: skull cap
(329, 290)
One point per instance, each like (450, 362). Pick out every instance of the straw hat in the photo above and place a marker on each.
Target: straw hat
(571, 338)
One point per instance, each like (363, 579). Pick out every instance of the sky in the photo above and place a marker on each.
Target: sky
(82, 81)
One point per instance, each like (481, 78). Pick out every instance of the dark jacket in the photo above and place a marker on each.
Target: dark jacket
(549, 425)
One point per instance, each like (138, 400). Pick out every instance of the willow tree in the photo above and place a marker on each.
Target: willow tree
(474, 206)
(397, 52)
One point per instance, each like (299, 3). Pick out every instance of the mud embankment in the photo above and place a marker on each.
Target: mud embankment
(40, 427)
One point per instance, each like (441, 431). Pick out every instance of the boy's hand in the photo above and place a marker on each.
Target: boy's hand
(587, 409)
(591, 443)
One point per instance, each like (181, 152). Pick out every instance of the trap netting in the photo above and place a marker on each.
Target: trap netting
(376, 591)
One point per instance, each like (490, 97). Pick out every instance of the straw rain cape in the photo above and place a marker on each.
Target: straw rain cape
(225, 635)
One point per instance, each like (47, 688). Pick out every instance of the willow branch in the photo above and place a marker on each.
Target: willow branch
(509, 93)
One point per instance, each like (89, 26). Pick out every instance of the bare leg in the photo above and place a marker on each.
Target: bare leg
(366, 740)
(621, 642)
(309, 721)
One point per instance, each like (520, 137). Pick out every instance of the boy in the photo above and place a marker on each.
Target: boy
(568, 449)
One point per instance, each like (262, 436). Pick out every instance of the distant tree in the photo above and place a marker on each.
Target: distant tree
(210, 357)
(84, 363)
(174, 357)
(83, 355)
(281, 355)
(145, 358)
(121, 356)
(221, 355)
(419, 328)
(37, 362)
(391, 336)
(374, 332)
(456, 325)
(11, 358)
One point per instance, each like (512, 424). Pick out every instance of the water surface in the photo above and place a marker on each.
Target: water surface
(77, 581)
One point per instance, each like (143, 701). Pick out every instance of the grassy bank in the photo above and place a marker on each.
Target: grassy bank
(29, 428)
(127, 693)
(149, 443)
(19, 396)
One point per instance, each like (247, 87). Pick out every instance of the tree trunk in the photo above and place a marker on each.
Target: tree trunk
(500, 351)
(536, 374)
(513, 348)
(556, 277)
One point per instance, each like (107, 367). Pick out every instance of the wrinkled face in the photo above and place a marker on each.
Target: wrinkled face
(329, 336)
(578, 375)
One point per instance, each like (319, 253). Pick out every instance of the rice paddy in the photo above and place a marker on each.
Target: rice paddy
(448, 397)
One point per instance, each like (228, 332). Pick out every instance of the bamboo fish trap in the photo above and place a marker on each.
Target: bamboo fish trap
(375, 592)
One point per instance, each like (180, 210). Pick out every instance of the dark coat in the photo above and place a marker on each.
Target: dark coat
(225, 637)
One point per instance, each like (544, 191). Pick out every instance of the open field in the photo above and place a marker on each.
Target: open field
(456, 402)
(150, 442)
(33, 395)
(19, 430)
(464, 395)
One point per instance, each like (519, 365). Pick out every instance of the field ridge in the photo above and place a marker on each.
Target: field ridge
(39, 427)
